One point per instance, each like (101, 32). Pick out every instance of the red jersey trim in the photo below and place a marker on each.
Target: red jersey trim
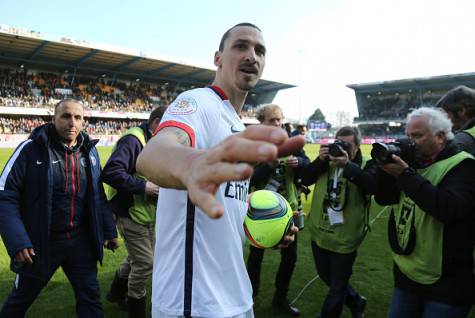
(177, 124)
(219, 92)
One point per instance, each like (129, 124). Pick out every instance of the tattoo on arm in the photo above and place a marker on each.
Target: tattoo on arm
(181, 135)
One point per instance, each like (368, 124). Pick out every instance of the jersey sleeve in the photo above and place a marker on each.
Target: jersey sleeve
(192, 113)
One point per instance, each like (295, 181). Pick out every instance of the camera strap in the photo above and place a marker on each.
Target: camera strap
(336, 200)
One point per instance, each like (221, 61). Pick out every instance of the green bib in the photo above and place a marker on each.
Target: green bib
(342, 238)
(416, 237)
(471, 131)
(144, 207)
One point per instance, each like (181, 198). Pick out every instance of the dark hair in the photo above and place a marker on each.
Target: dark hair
(156, 113)
(349, 131)
(457, 99)
(64, 101)
(226, 34)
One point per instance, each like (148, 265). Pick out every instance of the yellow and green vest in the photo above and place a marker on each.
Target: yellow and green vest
(418, 235)
(342, 238)
(144, 207)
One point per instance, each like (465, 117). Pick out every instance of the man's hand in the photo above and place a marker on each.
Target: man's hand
(289, 238)
(230, 160)
(340, 161)
(25, 256)
(151, 188)
(112, 244)
(396, 168)
(323, 153)
(292, 162)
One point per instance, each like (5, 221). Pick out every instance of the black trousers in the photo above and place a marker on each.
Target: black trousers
(288, 258)
(76, 258)
(335, 270)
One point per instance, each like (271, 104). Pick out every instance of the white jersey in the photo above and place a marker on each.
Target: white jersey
(199, 268)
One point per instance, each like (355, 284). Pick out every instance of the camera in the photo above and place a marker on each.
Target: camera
(404, 148)
(336, 149)
(277, 180)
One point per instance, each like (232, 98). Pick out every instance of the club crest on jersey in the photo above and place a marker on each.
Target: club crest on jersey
(93, 161)
(83, 161)
(183, 106)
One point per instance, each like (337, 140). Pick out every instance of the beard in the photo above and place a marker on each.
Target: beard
(246, 86)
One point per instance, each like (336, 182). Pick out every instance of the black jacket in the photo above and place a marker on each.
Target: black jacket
(26, 194)
(364, 178)
(464, 139)
(450, 202)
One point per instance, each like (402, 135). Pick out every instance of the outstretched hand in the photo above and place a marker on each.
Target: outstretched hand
(231, 161)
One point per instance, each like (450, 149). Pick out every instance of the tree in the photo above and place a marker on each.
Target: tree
(317, 115)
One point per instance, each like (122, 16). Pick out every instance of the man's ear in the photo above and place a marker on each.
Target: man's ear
(217, 58)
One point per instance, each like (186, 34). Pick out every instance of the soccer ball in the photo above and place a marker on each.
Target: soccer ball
(269, 218)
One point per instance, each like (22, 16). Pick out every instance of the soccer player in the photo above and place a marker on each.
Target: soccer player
(202, 151)
(53, 212)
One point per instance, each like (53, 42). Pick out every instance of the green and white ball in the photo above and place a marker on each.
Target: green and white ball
(269, 218)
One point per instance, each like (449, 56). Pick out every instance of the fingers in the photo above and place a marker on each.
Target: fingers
(207, 202)
(237, 149)
(289, 237)
(291, 145)
(25, 256)
(257, 143)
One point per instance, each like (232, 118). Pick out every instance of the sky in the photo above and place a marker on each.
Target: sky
(318, 45)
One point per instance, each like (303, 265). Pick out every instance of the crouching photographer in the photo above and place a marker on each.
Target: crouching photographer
(431, 223)
(338, 219)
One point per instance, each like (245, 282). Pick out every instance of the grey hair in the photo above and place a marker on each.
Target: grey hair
(436, 119)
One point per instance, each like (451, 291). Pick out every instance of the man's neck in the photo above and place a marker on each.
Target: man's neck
(236, 98)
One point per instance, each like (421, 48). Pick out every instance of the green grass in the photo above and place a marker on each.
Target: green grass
(372, 273)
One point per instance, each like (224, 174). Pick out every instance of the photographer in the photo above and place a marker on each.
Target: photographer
(431, 222)
(338, 219)
(280, 176)
(459, 104)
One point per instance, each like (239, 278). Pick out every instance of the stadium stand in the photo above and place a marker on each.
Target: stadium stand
(383, 106)
(118, 86)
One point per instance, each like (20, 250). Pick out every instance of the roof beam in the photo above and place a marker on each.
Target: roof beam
(85, 57)
(127, 63)
(37, 50)
(161, 69)
(194, 72)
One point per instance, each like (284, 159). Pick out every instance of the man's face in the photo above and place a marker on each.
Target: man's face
(273, 118)
(243, 58)
(427, 144)
(69, 121)
(458, 119)
(350, 140)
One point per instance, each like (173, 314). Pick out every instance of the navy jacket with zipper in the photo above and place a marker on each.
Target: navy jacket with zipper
(26, 189)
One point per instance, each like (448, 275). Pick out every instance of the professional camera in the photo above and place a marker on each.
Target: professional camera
(404, 148)
(276, 182)
(336, 149)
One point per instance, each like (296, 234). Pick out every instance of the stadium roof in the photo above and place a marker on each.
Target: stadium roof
(29, 48)
(443, 81)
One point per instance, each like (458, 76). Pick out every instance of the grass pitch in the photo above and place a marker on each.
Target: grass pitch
(372, 273)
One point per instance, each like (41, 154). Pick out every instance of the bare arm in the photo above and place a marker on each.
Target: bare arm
(168, 161)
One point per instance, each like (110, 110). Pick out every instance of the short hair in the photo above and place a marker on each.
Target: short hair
(437, 120)
(226, 34)
(458, 98)
(262, 109)
(156, 113)
(64, 101)
(350, 131)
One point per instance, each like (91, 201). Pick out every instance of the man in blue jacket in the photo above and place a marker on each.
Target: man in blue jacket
(133, 200)
(53, 212)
